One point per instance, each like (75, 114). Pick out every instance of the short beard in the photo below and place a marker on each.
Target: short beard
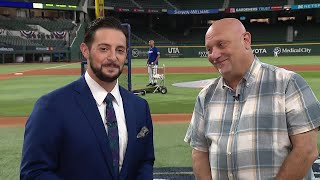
(99, 74)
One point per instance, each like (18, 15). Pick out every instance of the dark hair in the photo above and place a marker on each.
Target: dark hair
(106, 22)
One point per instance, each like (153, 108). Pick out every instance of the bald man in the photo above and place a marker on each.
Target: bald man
(255, 121)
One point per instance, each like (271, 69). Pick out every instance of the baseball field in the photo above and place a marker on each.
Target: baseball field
(22, 84)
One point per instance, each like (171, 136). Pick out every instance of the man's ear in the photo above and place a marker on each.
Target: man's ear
(85, 50)
(247, 40)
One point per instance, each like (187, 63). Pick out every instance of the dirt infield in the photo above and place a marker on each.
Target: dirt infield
(157, 118)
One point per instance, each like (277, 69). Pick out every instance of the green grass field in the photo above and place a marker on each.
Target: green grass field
(18, 95)
(5, 68)
(11, 140)
(172, 62)
(168, 62)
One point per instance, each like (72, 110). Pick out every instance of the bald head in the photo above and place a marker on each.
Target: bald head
(230, 30)
(227, 25)
(229, 48)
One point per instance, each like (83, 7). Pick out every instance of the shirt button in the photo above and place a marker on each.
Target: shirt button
(230, 175)
(229, 153)
(232, 132)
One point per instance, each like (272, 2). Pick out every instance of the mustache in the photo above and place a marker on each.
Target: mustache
(110, 64)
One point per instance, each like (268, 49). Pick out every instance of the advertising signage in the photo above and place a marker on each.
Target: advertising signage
(286, 50)
(253, 9)
(30, 5)
(260, 50)
(305, 6)
(193, 11)
(4, 48)
(60, 6)
(16, 4)
(171, 52)
(137, 10)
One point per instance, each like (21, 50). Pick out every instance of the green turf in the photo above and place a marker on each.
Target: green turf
(292, 60)
(313, 79)
(168, 62)
(285, 60)
(174, 62)
(18, 95)
(170, 149)
(182, 99)
(10, 152)
(12, 68)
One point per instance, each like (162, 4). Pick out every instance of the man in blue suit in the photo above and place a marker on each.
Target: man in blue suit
(67, 135)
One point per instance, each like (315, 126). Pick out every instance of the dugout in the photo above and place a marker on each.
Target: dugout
(34, 56)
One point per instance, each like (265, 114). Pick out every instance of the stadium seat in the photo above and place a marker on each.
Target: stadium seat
(307, 32)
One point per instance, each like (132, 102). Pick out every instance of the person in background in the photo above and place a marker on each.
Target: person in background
(152, 62)
(92, 128)
(255, 121)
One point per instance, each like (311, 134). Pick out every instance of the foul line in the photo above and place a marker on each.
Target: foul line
(60, 66)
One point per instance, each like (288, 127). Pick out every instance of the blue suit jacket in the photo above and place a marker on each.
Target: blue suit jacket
(65, 138)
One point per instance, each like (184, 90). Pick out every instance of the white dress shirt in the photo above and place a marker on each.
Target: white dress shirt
(99, 94)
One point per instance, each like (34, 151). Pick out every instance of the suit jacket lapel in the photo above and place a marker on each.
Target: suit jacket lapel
(131, 128)
(89, 108)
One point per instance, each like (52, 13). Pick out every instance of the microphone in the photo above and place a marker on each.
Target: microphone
(237, 97)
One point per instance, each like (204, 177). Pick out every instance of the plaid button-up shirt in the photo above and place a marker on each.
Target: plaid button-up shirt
(247, 136)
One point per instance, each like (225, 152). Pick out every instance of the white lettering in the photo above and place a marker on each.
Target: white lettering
(6, 49)
(259, 51)
(296, 50)
(203, 54)
(173, 50)
(246, 9)
(42, 48)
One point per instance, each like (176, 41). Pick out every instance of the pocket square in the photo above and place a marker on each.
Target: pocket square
(143, 132)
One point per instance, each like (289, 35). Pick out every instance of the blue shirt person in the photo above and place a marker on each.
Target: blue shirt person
(152, 62)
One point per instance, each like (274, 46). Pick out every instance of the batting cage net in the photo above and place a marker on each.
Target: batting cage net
(125, 77)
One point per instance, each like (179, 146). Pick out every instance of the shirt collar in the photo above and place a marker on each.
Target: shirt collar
(251, 75)
(99, 93)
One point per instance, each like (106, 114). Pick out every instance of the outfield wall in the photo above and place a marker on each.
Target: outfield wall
(298, 49)
(11, 54)
(35, 54)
